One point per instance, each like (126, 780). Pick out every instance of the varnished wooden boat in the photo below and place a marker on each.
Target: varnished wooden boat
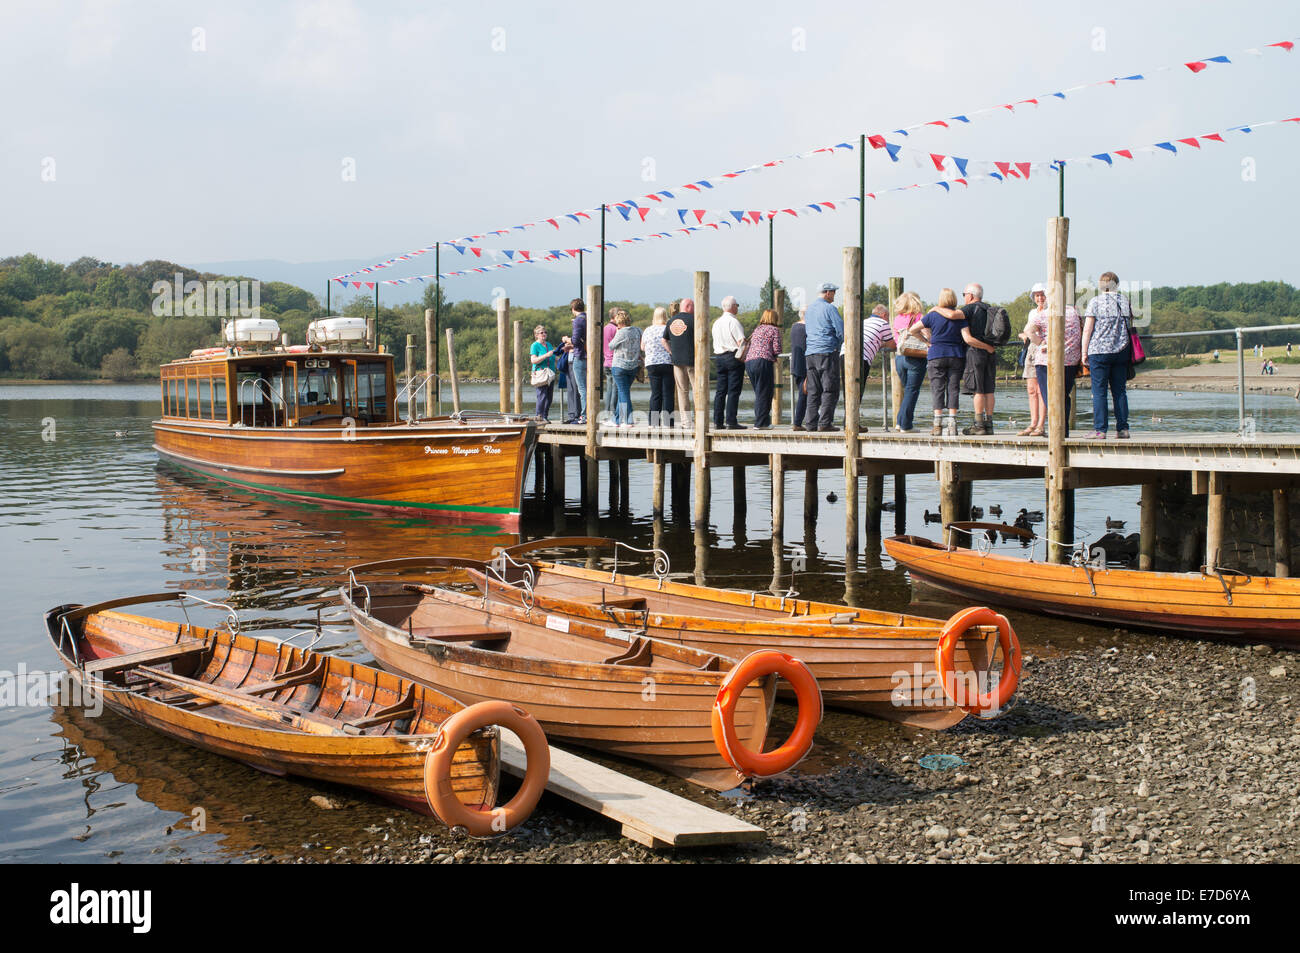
(878, 663)
(1213, 602)
(275, 706)
(614, 691)
(322, 425)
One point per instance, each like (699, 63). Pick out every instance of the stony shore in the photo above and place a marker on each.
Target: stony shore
(1121, 748)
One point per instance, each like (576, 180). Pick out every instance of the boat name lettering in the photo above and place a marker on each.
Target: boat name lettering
(436, 451)
(465, 451)
(558, 623)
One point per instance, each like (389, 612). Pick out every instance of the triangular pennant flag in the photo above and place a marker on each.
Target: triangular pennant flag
(1104, 157)
(574, 252)
(756, 217)
(624, 211)
(1124, 152)
(937, 160)
(960, 118)
(1218, 59)
(815, 207)
(1134, 76)
(943, 185)
(937, 122)
(1213, 135)
(1195, 66)
(478, 252)
(1191, 142)
(681, 214)
(356, 284)
(1024, 168)
(643, 212)
(1004, 167)
(524, 254)
(1167, 145)
(554, 222)
(961, 164)
(877, 142)
(738, 216)
(893, 151)
(509, 253)
(1285, 44)
(699, 214)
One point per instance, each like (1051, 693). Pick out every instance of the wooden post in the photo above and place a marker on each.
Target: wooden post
(895, 292)
(900, 504)
(431, 359)
(1214, 522)
(739, 500)
(875, 504)
(1281, 533)
(1058, 230)
(809, 506)
(557, 484)
(614, 484)
(1071, 295)
(451, 369)
(657, 494)
(623, 481)
(778, 497)
(703, 349)
(778, 305)
(412, 394)
(1147, 528)
(503, 352)
(519, 367)
(852, 283)
(947, 500)
(595, 358)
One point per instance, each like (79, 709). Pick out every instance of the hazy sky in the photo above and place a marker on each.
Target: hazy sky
(461, 117)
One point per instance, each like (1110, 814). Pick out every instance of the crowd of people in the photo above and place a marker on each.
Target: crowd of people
(954, 344)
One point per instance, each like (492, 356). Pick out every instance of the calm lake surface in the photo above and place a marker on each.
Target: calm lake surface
(87, 513)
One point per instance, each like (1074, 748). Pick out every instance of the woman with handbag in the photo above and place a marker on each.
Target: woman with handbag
(910, 360)
(1108, 351)
(543, 376)
(625, 347)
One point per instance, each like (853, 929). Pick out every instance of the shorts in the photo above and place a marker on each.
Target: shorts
(981, 376)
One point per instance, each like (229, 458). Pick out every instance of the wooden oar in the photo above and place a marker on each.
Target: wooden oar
(282, 715)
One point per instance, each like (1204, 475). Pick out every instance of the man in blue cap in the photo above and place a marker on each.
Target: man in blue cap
(822, 356)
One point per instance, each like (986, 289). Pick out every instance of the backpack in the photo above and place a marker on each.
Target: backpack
(997, 326)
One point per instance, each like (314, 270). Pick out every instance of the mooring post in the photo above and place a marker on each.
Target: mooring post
(703, 349)
(875, 495)
(810, 503)
(624, 498)
(1281, 533)
(614, 484)
(1058, 230)
(1214, 518)
(1147, 528)
(503, 352)
(948, 500)
(853, 397)
(681, 484)
(451, 369)
(778, 497)
(739, 501)
(557, 484)
(595, 357)
(430, 360)
(518, 352)
(778, 305)
(657, 492)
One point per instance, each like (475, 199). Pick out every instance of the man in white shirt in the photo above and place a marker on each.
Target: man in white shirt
(728, 351)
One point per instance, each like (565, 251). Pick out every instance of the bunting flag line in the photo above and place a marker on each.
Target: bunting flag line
(1001, 172)
(628, 207)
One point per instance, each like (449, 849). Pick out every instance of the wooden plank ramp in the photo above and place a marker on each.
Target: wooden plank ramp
(647, 814)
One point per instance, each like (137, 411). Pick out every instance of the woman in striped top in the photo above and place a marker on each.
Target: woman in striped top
(760, 364)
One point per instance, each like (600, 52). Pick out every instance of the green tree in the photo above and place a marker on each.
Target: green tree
(118, 365)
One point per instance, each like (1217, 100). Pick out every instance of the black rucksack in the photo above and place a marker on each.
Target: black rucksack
(997, 326)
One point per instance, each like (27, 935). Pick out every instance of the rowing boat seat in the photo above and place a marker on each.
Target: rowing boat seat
(636, 603)
(458, 633)
(115, 665)
(638, 653)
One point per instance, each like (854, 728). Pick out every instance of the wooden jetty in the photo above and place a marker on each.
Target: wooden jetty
(1218, 463)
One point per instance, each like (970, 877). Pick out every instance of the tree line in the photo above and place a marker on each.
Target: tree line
(92, 318)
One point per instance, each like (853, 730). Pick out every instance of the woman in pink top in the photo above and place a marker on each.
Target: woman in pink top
(908, 311)
(607, 335)
(760, 364)
(1038, 331)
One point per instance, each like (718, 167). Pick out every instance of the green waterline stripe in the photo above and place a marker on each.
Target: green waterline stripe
(456, 507)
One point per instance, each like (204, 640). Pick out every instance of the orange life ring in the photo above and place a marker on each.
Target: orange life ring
(486, 821)
(808, 694)
(991, 703)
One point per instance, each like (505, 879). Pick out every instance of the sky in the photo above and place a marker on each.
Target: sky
(327, 129)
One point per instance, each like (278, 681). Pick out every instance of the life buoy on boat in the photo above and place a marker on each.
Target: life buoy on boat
(990, 703)
(763, 764)
(486, 821)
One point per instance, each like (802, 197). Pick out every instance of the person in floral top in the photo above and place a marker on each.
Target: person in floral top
(1038, 329)
(760, 365)
(659, 369)
(1107, 352)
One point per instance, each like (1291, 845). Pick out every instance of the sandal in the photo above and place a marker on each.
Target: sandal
(1036, 432)
(1024, 433)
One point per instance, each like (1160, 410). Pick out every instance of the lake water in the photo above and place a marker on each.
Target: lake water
(87, 513)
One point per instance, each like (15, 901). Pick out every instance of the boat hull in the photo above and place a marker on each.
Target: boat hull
(439, 469)
(880, 670)
(386, 763)
(658, 717)
(1183, 603)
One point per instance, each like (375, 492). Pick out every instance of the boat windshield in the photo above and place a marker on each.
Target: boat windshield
(318, 386)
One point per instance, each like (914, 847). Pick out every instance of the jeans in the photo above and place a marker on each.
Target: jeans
(611, 392)
(800, 399)
(945, 381)
(1070, 371)
(544, 396)
(661, 394)
(823, 390)
(623, 378)
(578, 386)
(1109, 371)
(761, 378)
(731, 377)
(911, 373)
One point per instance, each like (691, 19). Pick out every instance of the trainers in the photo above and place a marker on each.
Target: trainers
(1099, 435)
(1122, 435)
(936, 430)
(798, 427)
(977, 429)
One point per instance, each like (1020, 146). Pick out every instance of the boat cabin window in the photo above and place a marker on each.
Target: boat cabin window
(318, 386)
(371, 391)
(194, 392)
(262, 396)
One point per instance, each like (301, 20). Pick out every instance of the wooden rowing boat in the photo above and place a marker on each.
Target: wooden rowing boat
(614, 691)
(862, 663)
(1211, 602)
(275, 706)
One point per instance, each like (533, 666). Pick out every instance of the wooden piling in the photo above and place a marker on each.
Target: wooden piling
(900, 504)
(1058, 231)
(1214, 518)
(703, 348)
(519, 362)
(778, 305)
(778, 521)
(624, 480)
(1281, 533)
(451, 369)
(810, 502)
(557, 485)
(595, 359)
(614, 485)
(739, 500)
(657, 493)
(852, 282)
(875, 497)
(503, 352)
(1147, 528)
